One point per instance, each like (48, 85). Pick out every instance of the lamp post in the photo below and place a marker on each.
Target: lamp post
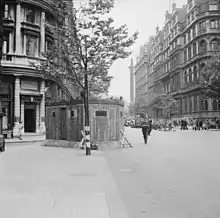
(86, 107)
(85, 95)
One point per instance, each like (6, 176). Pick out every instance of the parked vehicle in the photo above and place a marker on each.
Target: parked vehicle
(2, 143)
(2, 138)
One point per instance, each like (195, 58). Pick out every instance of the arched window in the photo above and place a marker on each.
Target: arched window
(203, 46)
(202, 105)
(185, 77)
(195, 103)
(215, 44)
(190, 76)
(195, 73)
(214, 105)
(190, 104)
(30, 16)
(206, 105)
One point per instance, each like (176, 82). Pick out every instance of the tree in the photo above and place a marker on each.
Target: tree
(211, 77)
(86, 44)
(165, 103)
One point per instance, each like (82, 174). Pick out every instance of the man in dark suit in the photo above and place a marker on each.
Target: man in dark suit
(145, 126)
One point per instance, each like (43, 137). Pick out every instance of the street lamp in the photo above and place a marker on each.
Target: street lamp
(85, 95)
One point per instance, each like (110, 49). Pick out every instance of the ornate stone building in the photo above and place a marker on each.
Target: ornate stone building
(177, 55)
(140, 73)
(201, 39)
(23, 87)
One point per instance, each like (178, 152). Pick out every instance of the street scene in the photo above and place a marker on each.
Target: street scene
(109, 109)
(175, 175)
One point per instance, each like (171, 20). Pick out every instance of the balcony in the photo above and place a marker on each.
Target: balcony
(30, 27)
(46, 4)
(174, 50)
(12, 60)
(9, 24)
(192, 86)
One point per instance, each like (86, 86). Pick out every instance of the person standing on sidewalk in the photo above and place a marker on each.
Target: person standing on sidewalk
(145, 127)
(21, 130)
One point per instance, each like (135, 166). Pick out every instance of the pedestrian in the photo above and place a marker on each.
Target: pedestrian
(21, 130)
(150, 127)
(194, 124)
(145, 126)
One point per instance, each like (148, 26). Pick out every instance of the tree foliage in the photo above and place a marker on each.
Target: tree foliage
(164, 102)
(87, 43)
(211, 77)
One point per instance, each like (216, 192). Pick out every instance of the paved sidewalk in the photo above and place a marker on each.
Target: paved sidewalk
(43, 182)
(27, 138)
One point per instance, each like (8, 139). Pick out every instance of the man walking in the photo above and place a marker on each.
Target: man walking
(145, 127)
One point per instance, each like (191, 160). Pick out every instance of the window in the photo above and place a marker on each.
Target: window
(215, 43)
(189, 52)
(195, 103)
(194, 49)
(202, 105)
(214, 24)
(31, 46)
(185, 77)
(213, 6)
(190, 104)
(189, 36)
(202, 25)
(194, 31)
(184, 39)
(203, 46)
(190, 75)
(185, 56)
(186, 105)
(215, 105)
(6, 11)
(206, 105)
(30, 16)
(195, 73)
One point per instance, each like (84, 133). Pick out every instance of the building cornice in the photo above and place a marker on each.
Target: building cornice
(47, 5)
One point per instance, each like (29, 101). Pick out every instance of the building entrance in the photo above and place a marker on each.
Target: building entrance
(30, 119)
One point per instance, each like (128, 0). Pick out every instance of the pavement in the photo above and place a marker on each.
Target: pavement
(43, 182)
(176, 175)
(28, 137)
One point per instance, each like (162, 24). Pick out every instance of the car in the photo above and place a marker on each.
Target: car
(2, 143)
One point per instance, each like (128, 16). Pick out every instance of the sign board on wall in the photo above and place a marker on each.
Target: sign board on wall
(29, 85)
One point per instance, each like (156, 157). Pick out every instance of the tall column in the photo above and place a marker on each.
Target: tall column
(11, 43)
(22, 112)
(18, 29)
(25, 44)
(42, 108)
(42, 35)
(16, 107)
(38, 118)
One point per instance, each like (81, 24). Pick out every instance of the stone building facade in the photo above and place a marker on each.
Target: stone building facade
(189, 36)
(23, 87)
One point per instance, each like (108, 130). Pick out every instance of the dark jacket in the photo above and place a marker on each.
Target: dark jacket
(145, 126)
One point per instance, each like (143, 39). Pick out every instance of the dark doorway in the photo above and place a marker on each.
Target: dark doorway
(29, 120)
(63, 124)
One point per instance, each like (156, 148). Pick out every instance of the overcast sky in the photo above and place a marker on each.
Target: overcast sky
(141, 15)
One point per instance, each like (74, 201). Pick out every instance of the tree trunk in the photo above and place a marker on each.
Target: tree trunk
(86, 107)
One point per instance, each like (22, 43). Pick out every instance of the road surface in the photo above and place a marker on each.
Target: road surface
(176, 175)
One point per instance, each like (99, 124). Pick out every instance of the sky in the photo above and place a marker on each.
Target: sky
(142, 16)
